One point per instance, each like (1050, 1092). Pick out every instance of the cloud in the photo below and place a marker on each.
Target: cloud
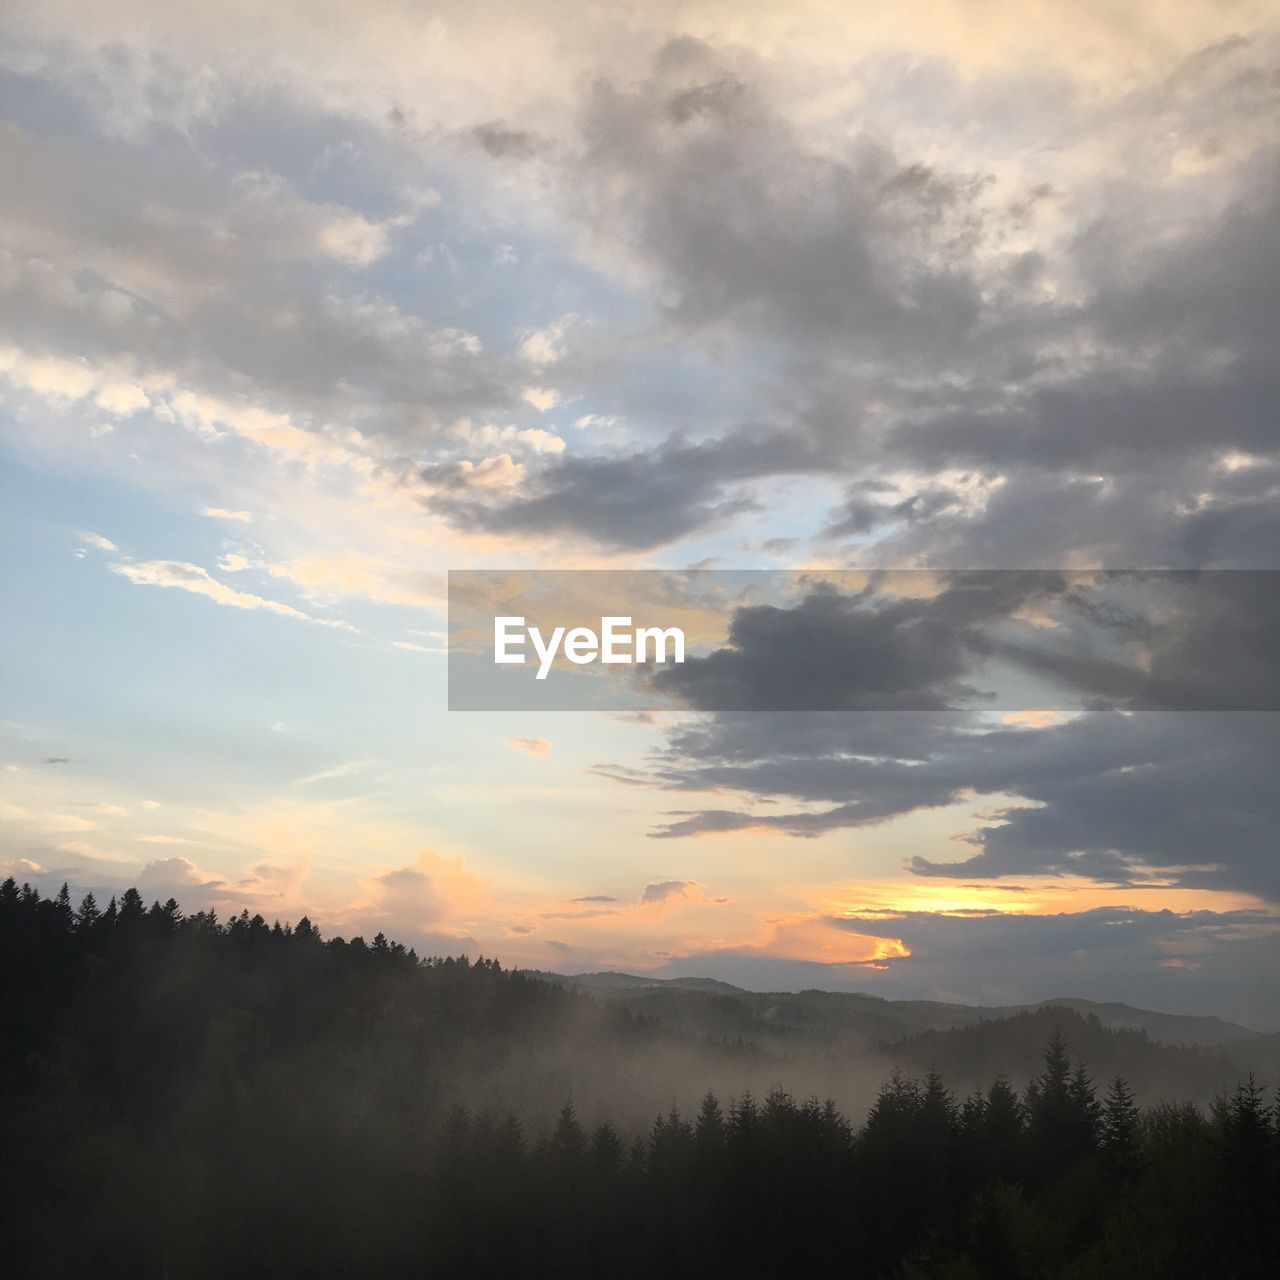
(544, 347)
(181, 269)
(665, 890)
(337, 772)
(122, 399)
(96, 540)
(540, 747)
(855, 649)
(419, 902)
(1130, 799)
(1032, 956)
(168, 872)
(997, 383)
(221, 513)
(921, 641)
(502, 142)
(1191, 961)
(192, 578)
(845, 246)
(635, 499)
(542, 398)
(998, 350)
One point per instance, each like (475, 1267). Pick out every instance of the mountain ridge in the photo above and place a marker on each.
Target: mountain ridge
(866, 1018)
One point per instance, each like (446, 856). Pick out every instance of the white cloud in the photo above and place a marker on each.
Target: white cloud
(221, 513)
(167, 872)
(190, 577)
(121, 398)
(49, 376)
(335, 772)
(533, 439)
(96, 540)
(542, 398)
(545, 346)
(351, 238)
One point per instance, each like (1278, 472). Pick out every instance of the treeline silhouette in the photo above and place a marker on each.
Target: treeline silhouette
(181, 1097)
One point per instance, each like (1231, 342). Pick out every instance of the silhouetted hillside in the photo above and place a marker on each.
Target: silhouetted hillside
(1013, 1045)
(1195, 1056)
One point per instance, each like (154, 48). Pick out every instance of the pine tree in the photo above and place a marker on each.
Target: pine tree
(1003, 1131)
(568, 1140)
(132, 911)
(607, 1151)
(1120, 1136)
(88, 916)
(1086, 1113)
(709, 1130)
(937, 1107)
(305, 932)
(164, 920)
(1061, 1112)
(62, 913)
(1246, 1124)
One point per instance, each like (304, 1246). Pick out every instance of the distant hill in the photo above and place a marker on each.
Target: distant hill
(858, 1019)
(1169, 1028)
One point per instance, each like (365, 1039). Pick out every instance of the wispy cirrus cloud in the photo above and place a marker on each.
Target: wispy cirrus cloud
(181, 576)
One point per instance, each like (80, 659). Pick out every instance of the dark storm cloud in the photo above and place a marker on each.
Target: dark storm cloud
(1183, 641)
(1159, 449)
(1219, 961)
(836, 650)
(753, 237)
(503, 142)
(1209, 641)
(643, 498)
(700, 175)
(1187, 353)
(1185, 798)
(998, 937)
(1222, 962)
(1095, 386)
(865, 509)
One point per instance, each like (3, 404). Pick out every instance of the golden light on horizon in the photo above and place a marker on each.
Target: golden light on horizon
(1028, 895)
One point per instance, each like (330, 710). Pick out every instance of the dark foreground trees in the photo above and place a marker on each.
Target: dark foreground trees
(184, 1098)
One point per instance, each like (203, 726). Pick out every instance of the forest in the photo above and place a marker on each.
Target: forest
(185, 1097)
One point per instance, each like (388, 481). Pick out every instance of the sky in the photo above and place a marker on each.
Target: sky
(302, 308)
